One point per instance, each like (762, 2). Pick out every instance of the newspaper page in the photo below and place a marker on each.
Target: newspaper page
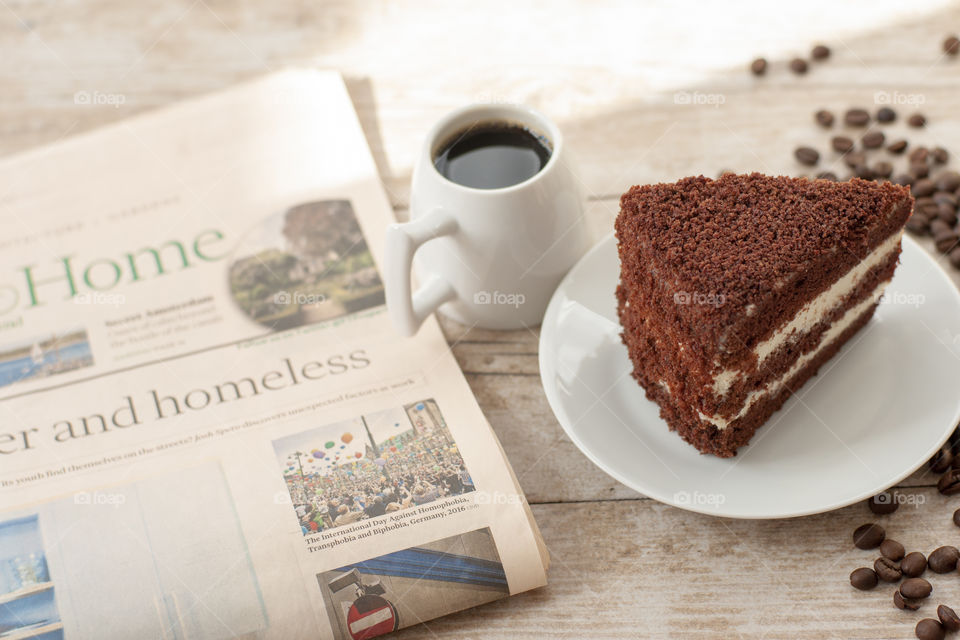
(209, 428)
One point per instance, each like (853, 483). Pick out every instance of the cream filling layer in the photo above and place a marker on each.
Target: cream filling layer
(842, 324)
(813, 312)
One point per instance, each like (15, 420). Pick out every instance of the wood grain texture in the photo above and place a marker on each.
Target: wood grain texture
(643, 92)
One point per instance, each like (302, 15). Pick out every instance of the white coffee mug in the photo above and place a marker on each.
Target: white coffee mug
(489, 258)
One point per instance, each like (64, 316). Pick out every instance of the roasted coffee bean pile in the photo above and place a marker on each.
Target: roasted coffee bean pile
(895, 565)
(869, 152)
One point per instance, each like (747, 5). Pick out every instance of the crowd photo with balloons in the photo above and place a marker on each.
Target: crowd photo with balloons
(371, 465)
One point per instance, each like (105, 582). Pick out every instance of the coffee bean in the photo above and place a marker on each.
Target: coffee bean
(820, 52)
(949, 483)
(863, 172)
(868, 536)
(951, 46)
(949, 215)
(930, 629)
(873, 139)
(882, 503)
(943, 559)
(923, 188)
(942, 460)
(928, 208)
(798, 66)
(892, 549)
(758, 67)
(919, 154)
(827, 175)
(910, 604)
(856, 118)
(917, 120)
(939, 227)
(940, 155)
(841, 144)
(948, 618)
(913, 564)
(956, 517)
(946, 197)
(824, 118)
(864, 578)
(886, 114)
(904, 179)
(948, 181)
(882, 169)
(807, 155)
(945, 241)
(887, 570)
(854, 158)
(919, 169)
(897, 146)
(917, 224)
(915, 588)
(954, 258)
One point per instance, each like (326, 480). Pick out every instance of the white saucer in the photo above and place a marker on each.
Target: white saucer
(876, 412)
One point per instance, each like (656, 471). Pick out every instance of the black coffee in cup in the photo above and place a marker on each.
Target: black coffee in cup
(492, 155)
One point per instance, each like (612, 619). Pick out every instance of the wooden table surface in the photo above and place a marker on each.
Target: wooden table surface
(643, 93)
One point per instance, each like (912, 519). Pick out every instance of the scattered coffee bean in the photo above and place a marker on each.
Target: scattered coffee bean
(873, 139)
(923, 188)
(930, 629)
(824, 118)
(948, 618)
(798, 66)
(904, 179)
(820, 52)
(917, 224)
(915, 588)
(864, 579)
(863, 172)
(758, 67)
(913, 564)
(827, 175)
(940, 155)
(808, 156)
(886, 114)
(868, 536)
(841, 144)
(949, 483)
(919, 154)
(910, 604)
(919, 169)
(939, 227)
(897, 146)
(945, 240)
(854, 158)
(892, 549)
(882, 169)
(882, 504)
(954, 258)
(940, 462)
(856, 118)
(951, 46)
(956, 517)
(948, 214)
(925, 206)
(948, 181)
(917, 120)
(943, 559)
(945, 197)
(887, 570)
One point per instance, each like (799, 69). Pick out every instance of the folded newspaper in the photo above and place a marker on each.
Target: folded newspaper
(209, 428)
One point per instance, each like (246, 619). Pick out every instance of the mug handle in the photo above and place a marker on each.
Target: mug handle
(409, 310)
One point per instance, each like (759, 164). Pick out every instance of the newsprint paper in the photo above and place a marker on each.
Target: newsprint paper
(208, 427)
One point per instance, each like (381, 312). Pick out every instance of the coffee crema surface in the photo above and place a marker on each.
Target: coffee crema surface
(492, 155)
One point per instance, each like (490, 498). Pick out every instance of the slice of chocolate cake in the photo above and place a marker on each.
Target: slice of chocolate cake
(733, 292)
